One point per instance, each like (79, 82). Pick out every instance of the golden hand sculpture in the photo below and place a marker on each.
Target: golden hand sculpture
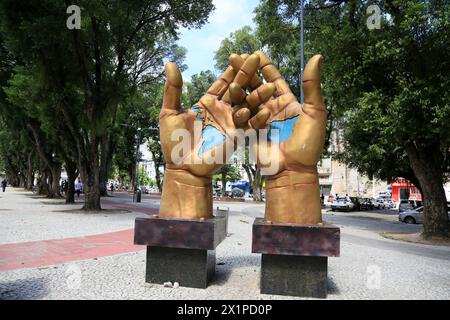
(292, 192)
(187, 186)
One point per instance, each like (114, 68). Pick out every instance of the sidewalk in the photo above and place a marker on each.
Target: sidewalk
(49, 252)
(94, 269)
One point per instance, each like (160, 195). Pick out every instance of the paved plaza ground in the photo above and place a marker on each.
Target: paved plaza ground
(49, 250)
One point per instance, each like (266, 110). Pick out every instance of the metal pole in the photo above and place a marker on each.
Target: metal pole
(136, 174)
(137, 158)
(302, 61)
(373, 187)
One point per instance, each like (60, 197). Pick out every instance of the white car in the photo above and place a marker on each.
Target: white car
(342, 204)
(414, 215)
(388, 203)
(378, 204)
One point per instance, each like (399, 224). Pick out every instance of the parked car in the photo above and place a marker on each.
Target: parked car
(237, 193)
(378, 204)
(415, 215)
(411, 216)
(342, 204)
(408, 205)
(356, 203)
(366, 204)
(388, 203)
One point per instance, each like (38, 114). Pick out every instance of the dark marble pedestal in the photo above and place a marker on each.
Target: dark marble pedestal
(295, 257)
(180, 251)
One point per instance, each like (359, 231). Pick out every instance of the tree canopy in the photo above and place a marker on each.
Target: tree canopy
(385, 88)
(85, 79)
(239, 41)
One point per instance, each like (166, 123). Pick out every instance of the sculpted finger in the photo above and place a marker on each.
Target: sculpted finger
(260, 96)
(260, 119)
(244, 75)
(237, 61)
(237, 95)
(220, 86)
(311, 82)
(172, 87)
(271, 74)
(241, 116)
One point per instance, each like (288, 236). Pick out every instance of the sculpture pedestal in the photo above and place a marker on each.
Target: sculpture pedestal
(179, 250)
(295, 257)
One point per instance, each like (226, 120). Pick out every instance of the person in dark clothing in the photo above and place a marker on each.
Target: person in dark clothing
(4, 182)
(65, 187)
(112, 187)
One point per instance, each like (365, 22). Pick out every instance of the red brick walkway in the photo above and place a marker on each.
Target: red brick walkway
(48, 252)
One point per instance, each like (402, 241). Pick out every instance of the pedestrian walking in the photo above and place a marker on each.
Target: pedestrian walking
(4, 183)
(112, 187)
(78, 187)
(65, 187)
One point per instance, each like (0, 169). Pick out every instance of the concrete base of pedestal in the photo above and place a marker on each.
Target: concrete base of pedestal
(294, 258)
(294, 275)
(189, 267)
(180, 250)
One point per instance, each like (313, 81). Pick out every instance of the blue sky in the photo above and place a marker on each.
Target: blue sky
(201, 44)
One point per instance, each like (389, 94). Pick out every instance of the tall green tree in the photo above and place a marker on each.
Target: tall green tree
(278, 32)
(197, 87)
(240, 41)
(121, 45)
(32, 109)
(387, 86)
(227, 173)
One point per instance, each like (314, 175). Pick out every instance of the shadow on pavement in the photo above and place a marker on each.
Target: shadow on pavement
(24, 289)
(332, 287)
(226, 265)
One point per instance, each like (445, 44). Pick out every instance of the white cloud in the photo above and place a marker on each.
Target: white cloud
(228, 16)
(228, 13)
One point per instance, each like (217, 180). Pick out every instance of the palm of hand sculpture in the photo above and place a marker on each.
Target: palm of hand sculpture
(187, 189)
(293, 189)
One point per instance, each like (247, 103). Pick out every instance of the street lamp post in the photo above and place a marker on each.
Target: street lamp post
(138, 144)
(136, 175)
(137, 187)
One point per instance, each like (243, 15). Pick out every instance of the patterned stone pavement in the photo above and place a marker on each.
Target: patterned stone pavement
(94, 258)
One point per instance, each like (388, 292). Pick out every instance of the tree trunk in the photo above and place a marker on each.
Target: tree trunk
(157, 163)
(21, 181)
(257, 185)
(30, 172)
(107, 148)
(13, 181)
(102, 186)
(249, 174)
(91, 186)
(255, 180)
(71, 170)
(158, 177)
(48, 159)
(103, 174)
(55, 177)
(224, 183)
(133, 176)
(427, 168)
(43, 182)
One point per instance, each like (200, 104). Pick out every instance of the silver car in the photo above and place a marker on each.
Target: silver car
(413, 215)
(342, 204)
